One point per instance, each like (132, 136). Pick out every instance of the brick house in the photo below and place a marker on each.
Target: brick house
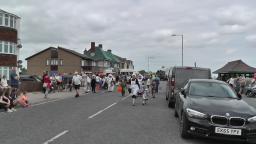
(57, 60)
(9, 42)
(62, 60)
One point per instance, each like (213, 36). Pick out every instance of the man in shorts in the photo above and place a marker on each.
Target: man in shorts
(76, 81)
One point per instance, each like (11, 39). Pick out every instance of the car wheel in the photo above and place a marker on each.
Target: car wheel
(250, 94)
(184, 127)
(175, 111)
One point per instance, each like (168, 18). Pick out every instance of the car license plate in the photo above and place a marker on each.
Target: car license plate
(228, 131)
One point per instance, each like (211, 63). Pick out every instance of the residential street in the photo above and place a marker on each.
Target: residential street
(102, 118)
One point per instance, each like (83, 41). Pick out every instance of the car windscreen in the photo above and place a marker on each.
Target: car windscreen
(211, 89)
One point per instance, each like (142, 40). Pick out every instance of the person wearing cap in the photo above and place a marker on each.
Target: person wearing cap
(76, 81)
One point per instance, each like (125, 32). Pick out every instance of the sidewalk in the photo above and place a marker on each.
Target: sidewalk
(38, 97)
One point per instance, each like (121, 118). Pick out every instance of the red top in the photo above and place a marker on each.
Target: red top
(47, 80)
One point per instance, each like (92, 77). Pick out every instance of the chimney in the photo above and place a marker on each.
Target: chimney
(85, 51)
(100, 46)
(109, 50)
(93, 46)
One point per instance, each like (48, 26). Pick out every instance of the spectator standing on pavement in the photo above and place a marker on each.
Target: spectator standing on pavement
(231, 82)
(242, 83)
(46, 84)
(76, 81)
(93, 83)
(14, 81)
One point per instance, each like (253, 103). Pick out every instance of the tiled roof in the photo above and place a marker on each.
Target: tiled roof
(99, 54)
(67, 50)
(237, 66)
(75, 53)
(113, 57)
(40, 52)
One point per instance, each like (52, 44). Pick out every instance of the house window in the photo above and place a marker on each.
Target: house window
(5, 47)
(6, 20)
(5, 71)
(61, 62)
(48, 62)
(14, 22)
(11, 21)
(11, 48)
(1, 19)
(93, 63)
(1, 46)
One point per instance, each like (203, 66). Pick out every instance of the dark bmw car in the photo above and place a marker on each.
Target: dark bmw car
(210, 108)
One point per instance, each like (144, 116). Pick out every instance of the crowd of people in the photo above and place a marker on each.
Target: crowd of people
(10, 95)
(134, 85)
(239, 83)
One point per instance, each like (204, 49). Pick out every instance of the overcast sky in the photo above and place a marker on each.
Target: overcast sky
(215, 31)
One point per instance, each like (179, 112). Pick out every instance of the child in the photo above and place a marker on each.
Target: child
(23, 100)
(145, 95)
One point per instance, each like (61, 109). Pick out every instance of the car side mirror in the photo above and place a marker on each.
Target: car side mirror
(183, 92)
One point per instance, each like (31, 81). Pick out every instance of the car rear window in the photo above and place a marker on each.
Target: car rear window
(182, 75)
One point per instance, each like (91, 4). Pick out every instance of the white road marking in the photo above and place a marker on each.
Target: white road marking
(56, 137)
(92, 116)
(125, 98)
(45, 102)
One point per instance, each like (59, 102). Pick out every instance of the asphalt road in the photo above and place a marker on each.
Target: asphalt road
(102, 118)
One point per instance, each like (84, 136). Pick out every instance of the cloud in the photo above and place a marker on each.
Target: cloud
(230, 51)
(234, 15)
(214, 31)
(251, 38)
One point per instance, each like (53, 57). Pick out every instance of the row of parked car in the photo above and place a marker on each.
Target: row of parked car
(207, 107)
(30, 83)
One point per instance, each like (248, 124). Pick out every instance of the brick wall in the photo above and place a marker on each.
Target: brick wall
(71, 62)
(8, 60)
(37, 64)
(8, 34)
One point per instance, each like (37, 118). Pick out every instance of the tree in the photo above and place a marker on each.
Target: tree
(142, 72)
(23, 71)
(161, 74)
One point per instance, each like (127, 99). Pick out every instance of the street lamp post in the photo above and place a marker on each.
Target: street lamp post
(181, 47)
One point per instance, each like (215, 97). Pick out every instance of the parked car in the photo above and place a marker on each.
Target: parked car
(178, 76)
(211, 108)
(30, 83)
